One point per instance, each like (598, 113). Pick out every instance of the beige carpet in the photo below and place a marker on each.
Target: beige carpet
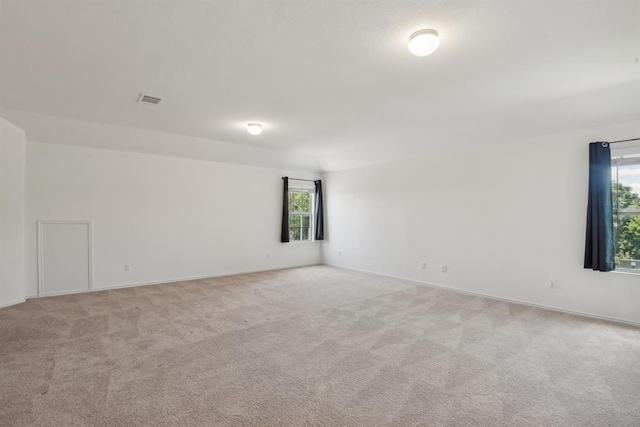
(310, 346)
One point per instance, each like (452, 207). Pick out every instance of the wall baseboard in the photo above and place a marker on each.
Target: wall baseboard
(58, 294)
(8, 304)
(181, 279)
(530, 304)
(212, 276)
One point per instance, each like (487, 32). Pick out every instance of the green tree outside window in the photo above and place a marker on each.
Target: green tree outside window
(626, 224)
(299, 215)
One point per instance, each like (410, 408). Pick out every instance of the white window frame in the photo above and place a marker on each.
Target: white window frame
(312, 220)
(625, 157)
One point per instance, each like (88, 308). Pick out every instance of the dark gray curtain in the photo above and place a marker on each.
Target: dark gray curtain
(319, 231)
(599, 246)
(284, 235)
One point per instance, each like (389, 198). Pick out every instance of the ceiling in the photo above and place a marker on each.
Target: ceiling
(330, 80)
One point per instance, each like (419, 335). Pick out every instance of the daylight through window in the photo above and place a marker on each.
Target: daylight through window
(300, 214)
(625, 178)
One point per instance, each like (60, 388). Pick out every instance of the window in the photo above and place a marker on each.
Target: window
(625, 181)
(300, 214)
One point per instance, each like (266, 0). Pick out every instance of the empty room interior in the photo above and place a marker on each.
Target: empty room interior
(319, 213)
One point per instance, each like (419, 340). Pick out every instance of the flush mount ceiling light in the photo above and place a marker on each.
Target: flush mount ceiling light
(424, 42)
(254, 128)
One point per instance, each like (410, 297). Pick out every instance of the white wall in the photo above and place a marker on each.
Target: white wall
(169, 218)
(12, 211)
(505, 218)
(82, 133)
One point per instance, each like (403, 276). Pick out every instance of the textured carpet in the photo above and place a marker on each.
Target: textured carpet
(310, 346)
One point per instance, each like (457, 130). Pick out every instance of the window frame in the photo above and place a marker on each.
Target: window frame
(626, 157)
(311, 213)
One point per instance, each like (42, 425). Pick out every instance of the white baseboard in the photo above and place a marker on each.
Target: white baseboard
(531, 304)
(211, 276)
(208, 276)
(57, 294)
(8, 304)
(179, 279)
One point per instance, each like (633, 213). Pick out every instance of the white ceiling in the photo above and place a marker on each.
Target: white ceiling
(330, 80)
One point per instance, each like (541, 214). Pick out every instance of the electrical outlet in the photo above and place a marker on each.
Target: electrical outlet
(444, 268)
(423, 265)
(339, 253)
(127, 267)
(268, 255)
(553, 284)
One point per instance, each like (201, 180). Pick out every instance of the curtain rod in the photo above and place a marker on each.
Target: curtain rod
(299, 179)
(604, 144)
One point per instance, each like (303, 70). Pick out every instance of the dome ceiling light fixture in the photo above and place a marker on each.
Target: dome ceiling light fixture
(254, 128)
(424, 42)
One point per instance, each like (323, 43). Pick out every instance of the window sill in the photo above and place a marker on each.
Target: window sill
(302, 242)
(627, 272)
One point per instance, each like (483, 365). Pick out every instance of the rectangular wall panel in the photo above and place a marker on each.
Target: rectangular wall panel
(65, 257)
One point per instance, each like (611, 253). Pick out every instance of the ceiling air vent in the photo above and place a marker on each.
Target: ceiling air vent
(146, 99)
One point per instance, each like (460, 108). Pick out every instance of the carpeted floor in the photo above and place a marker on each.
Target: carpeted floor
(310, 346)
